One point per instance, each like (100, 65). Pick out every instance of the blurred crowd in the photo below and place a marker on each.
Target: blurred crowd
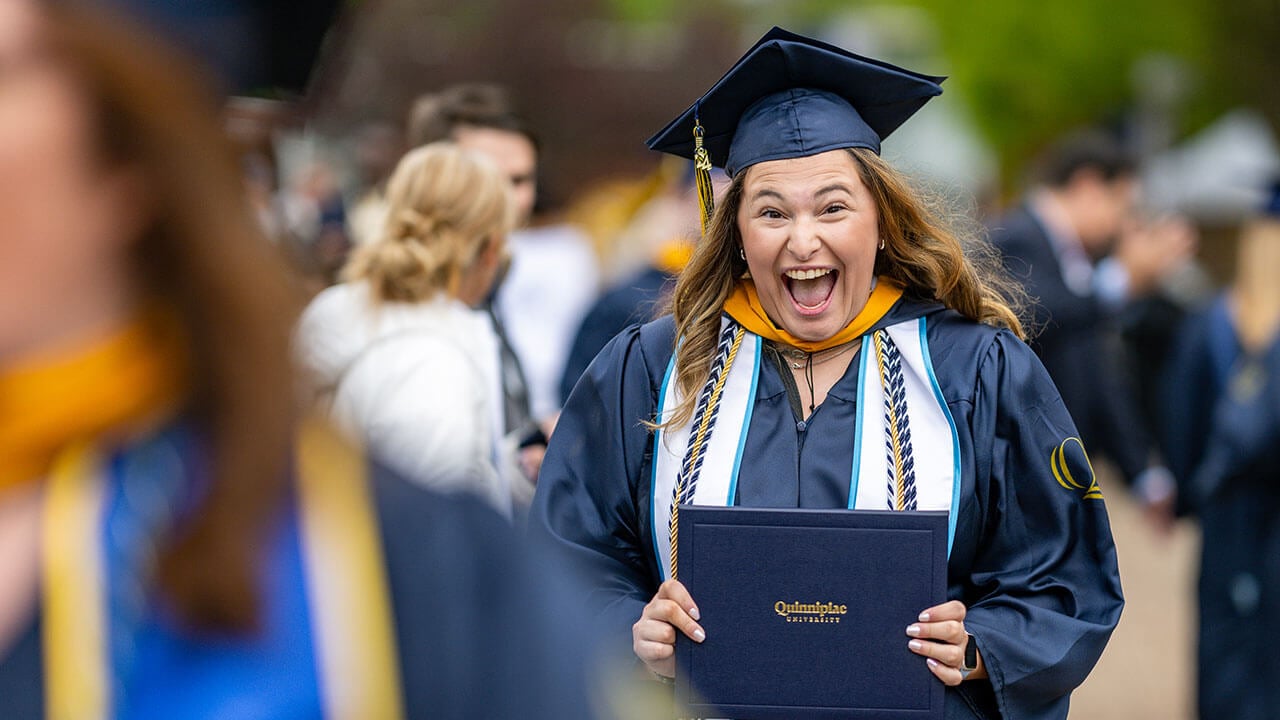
(449, 313)
(1168, 374)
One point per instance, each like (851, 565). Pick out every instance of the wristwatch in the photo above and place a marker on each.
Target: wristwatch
(970, 658)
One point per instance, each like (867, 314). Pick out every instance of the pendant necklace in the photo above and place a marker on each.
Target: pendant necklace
(798, 358)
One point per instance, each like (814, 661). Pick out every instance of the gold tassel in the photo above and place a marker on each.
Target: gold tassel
(702, 176)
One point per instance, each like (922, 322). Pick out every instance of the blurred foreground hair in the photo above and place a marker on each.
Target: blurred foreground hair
(203, 255)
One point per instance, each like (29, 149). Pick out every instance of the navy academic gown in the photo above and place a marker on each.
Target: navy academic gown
(1033, 561)
(1222, 424)
(479, 621)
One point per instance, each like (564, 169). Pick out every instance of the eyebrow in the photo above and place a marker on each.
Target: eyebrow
(834, 187)
(767, 193)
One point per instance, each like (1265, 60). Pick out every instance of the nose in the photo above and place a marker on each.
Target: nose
(805, 239)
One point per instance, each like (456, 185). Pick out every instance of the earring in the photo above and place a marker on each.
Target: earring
(881, 243)
(742, 253)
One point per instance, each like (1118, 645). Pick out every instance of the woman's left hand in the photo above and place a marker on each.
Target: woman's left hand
(940, 636)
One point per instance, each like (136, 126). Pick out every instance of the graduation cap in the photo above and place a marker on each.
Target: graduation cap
(791, 96)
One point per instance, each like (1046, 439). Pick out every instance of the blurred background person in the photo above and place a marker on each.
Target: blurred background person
(161, 555)
(1222, 425)
(1074, 245)
(553, 277)
(314, 217)
(661, 233)
(398, 351)
(378, 146)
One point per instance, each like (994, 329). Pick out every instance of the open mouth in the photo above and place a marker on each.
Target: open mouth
(810, 289)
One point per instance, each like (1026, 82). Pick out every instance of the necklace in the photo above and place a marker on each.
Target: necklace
(798, 358)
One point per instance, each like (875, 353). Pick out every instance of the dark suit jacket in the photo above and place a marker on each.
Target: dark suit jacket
(1079, 345)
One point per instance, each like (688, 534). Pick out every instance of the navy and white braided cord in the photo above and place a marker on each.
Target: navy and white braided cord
(691, 467)
(897, 427)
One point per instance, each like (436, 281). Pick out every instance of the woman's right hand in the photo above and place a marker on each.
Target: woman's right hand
(653, 637)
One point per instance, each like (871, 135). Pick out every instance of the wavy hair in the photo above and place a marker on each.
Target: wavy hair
(922, 253)
(444, 206)
(203, 255)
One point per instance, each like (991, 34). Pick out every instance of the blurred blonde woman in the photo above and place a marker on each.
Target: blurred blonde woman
(398, 351)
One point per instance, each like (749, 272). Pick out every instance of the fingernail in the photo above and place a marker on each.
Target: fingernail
(933, 663)
(699, 635)
(915, 645)
(924, 616)
(693, 613)
(913, 630)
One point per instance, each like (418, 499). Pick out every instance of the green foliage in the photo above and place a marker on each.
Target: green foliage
(643, 10)
(1033, 70)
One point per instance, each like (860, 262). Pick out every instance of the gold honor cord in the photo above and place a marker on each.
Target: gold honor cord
(347, 582)
(702, 176)
(699, 440)
(73, 603)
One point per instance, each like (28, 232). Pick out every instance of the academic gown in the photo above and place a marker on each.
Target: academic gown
(479, 625)
(1033, 560)
(1222, 423)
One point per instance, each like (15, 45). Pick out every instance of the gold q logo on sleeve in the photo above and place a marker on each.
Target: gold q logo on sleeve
(1071, 454)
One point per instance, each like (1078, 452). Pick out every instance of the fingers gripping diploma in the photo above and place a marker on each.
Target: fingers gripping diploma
(941, 638)
(653, 637)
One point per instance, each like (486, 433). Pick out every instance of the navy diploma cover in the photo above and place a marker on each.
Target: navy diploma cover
(806, 612)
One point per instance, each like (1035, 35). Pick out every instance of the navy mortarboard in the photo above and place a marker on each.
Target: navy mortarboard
(791, 96)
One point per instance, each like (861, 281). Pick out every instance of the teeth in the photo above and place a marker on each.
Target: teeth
(806, 274)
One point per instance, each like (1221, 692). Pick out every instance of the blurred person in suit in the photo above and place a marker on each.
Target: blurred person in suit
(1222, 429)
(1073, 245)
(176, 539)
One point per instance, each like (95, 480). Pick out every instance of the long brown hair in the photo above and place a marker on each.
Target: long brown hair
(922, 253)
(203, 255)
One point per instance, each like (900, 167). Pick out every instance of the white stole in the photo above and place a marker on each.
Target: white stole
(934, 456)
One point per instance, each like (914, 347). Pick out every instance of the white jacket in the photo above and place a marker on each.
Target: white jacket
(418, 383)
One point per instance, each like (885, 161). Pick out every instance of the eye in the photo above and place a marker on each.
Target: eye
(832, 209)
(771, 214)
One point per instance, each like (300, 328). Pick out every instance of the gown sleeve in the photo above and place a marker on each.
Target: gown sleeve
(1044, 587)
(587, 505)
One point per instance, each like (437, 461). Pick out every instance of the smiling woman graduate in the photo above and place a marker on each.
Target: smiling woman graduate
(834, 347)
